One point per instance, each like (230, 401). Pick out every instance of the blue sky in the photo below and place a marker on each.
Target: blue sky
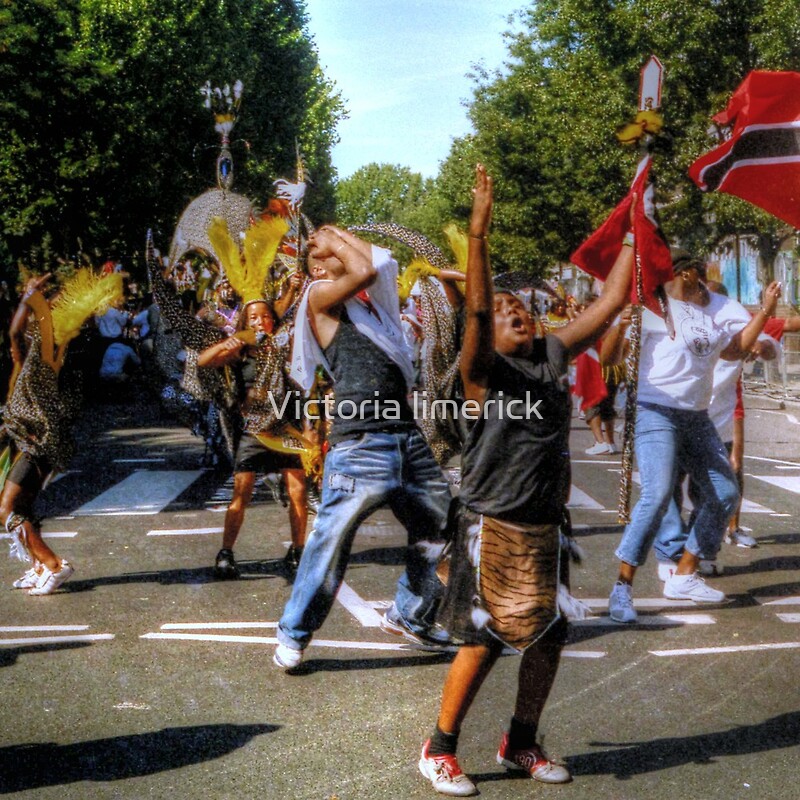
(401, 67)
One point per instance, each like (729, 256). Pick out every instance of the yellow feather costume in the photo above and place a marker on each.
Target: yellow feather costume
(247, 269)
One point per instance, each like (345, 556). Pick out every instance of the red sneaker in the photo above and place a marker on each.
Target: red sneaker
(445, 775)
(533, 761)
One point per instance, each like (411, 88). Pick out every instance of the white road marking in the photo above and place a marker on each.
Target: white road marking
(592, 461)
(142, 492)
(783, 601)
(32, 628)
(343, 645)
(184, 531)
(579, 499)
(772, 460)
(89, 637)
(745, 648)
(786, 466)
(209, 626)
(789, 617)
(362, 610)
(790, 483)
(49, 535)
(641, 602)
(648, 620)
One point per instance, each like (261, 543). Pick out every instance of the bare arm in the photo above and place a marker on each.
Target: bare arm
(224, 352)
(744, 341)
(448, 278)
(19, 323)
(614, 348)
(477, 351)
(291, 288)
(579, 334)
(353, 254)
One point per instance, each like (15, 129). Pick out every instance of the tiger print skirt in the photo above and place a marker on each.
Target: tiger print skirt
(502, 581)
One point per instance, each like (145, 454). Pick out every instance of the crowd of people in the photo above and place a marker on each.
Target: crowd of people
(487, 557)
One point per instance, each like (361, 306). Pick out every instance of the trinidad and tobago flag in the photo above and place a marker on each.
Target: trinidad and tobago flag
(599, 252)
(760, 162)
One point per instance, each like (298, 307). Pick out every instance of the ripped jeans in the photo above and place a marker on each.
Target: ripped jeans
(397, 470)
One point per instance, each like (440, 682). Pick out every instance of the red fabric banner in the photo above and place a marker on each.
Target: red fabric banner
(599, 252)
(760, 162)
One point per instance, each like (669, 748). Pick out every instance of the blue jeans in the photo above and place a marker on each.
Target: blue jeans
(666, 439)
(397, 470)
(674, 532)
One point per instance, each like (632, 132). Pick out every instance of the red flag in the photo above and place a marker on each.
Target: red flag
(599, 252)
(760, 162)
(589, 383)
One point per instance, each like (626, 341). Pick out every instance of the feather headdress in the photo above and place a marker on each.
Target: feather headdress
(458, 244)
(82, 296)
(247, 270)
(418, 268)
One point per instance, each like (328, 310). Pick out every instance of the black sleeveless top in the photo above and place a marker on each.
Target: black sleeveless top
(518, 469)
(370, 388)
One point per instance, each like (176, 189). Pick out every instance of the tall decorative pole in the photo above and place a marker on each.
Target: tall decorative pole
(224, 102)
(650, 83)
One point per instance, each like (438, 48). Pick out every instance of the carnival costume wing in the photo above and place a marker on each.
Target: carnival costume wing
(439, 368)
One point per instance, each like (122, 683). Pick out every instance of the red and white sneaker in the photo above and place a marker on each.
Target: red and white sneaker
(533, 761)
(445, 775)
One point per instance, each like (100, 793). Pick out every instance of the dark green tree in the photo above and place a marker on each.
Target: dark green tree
(104, 133)
(545, 124)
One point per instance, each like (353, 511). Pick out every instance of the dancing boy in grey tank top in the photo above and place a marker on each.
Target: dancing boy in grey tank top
(378, 456)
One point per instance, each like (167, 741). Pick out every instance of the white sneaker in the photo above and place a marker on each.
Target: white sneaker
(612, 449)
(597, 449)
(691, 587)
(666, 569)
(287, 658)
(710, 568)
(50, 581)
(29, 579)
(620, 603)
(740, 539)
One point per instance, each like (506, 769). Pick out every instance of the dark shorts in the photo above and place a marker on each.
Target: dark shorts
(252, 456)
(29, 472)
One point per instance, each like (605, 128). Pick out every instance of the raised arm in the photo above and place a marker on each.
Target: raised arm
(347, 259)
(591, 324)
(614, 348)
(743, 342)
(290, 290)
(477, 351)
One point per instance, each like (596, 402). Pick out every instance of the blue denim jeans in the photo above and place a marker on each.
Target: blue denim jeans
(666, 439)
(674, 532)
(397, 470)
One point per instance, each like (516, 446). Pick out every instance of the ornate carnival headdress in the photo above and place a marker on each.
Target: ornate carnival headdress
(247, 268)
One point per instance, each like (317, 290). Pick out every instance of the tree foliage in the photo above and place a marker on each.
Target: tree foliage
(103, 132)
(545, 124)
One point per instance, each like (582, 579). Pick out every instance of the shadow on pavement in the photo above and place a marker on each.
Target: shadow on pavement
(637, 758)
(349, 665)
(9, 655)
(33, 766)
(171, 577)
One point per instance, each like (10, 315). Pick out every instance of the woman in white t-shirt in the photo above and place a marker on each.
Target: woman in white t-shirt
(673, 427)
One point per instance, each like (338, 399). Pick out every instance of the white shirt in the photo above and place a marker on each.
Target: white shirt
(679, 372)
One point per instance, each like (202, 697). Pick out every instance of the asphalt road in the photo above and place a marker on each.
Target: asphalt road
(146, 678)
